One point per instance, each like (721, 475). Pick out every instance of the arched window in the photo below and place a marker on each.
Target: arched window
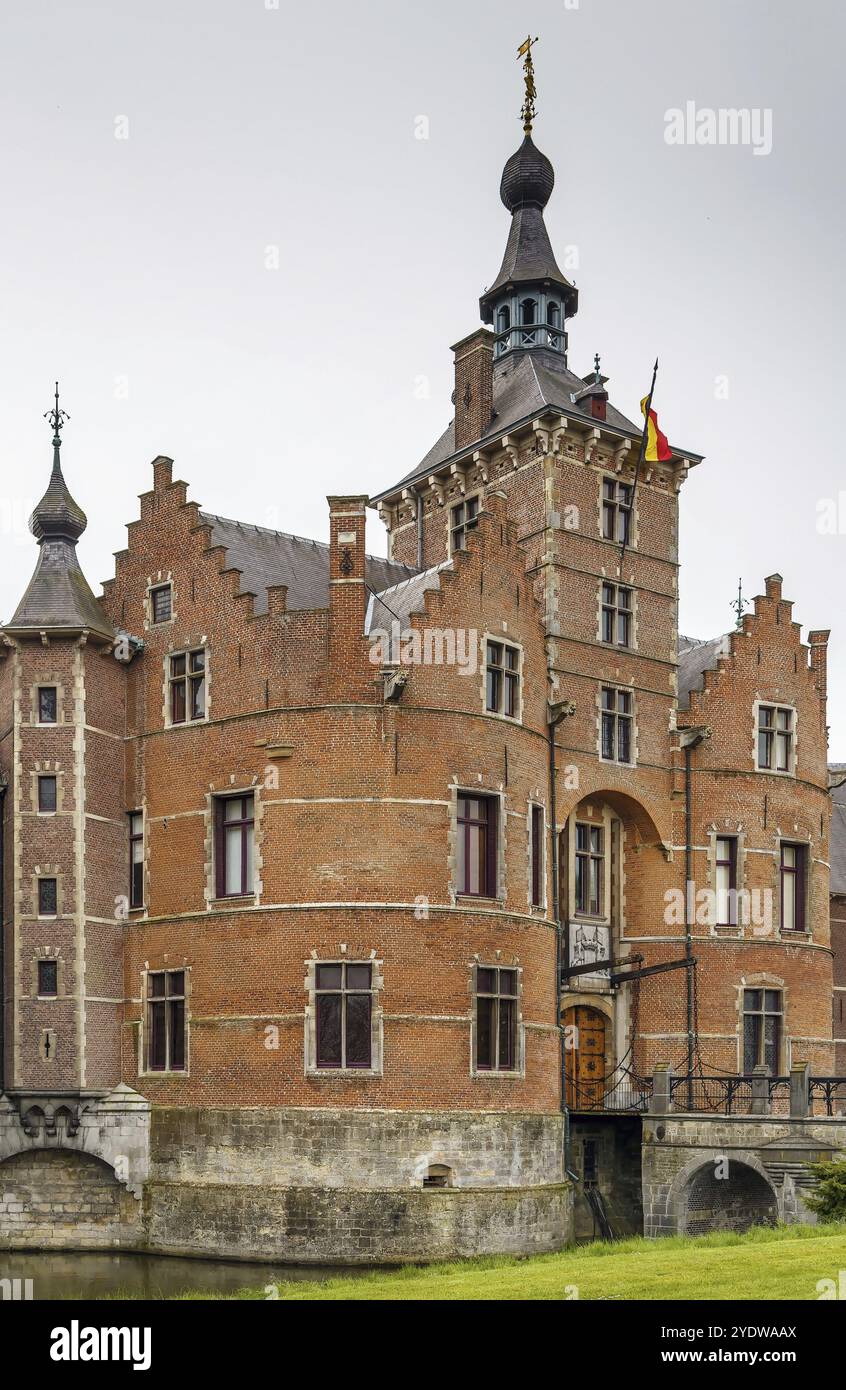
(503, 319)
(553, 316)
(528, 309)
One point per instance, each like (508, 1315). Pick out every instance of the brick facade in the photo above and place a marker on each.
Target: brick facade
(354, 768)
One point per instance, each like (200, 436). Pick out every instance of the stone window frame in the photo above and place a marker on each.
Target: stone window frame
(504, 640)
(803, 841)
(165, 1072)
(634, 741)
(531, 805)
(603, 822)
(237, 785)
(467, 789)
(607, 476)
(737, 834)
(130, 839)
(765, 980)
(473, 496)
(47, 769)
(377, 1030)
(794, 741)
(161, 582)
(48, 953)
(517, 1073)
(47, 871)
(185, 649)
(51, 682)
(633, 612)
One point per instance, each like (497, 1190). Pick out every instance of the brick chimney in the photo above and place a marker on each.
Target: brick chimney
(773, 583)
(818, 642)
(347, 592)
(473, 386)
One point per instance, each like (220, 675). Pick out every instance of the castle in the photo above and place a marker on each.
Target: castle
(345, 899)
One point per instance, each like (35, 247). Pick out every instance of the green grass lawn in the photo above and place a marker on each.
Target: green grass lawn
(785, 1263)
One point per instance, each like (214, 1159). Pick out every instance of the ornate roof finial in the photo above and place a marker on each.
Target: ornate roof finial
(57, 418)
(739, 604)
(57, 516)
(529, 110)
(597, 373)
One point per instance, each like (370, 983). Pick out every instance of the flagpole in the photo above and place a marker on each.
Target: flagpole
(643, 440)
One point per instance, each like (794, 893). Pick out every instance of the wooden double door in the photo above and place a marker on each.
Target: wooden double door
(584, 1057)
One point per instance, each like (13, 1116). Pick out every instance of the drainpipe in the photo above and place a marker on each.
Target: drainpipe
(419, 516)
(3, 789)
(564, 709)
(689, 739)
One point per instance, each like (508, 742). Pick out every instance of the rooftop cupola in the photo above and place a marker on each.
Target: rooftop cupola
(531, 299)
(58, 597)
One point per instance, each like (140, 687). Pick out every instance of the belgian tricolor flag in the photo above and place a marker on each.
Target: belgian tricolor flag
(656, 448)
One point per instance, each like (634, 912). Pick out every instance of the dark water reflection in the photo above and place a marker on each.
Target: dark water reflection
(72, 1275)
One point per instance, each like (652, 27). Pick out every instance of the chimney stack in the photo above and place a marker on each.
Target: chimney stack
(818, 642)
(347, 593)
(473, 386)
(773, 583)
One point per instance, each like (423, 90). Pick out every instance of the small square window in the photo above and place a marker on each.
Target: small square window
(48, 977)
(161, 603)
(48, 897)
(47, 793)
(48, 704)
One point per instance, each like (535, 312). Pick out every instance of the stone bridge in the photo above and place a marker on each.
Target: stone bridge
(707, 1172)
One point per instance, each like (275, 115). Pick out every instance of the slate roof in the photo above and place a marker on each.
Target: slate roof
(398, 602)
(267, 558)
(528, 258)
(58, 595)
(695, 658)
(524, 384)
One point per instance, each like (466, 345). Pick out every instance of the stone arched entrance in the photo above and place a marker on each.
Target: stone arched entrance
(726, 1194)
(62, 1198)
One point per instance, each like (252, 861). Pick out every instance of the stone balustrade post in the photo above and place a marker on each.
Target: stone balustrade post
(800, 1106)
(661, 1104)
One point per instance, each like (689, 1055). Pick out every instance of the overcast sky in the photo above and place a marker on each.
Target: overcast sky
(160, 158)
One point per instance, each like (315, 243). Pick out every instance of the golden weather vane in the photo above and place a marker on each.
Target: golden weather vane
(529, 110)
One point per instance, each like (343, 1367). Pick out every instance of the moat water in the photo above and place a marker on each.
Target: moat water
(71, 1275)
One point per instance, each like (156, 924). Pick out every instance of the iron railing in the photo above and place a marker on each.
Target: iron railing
(713, 1095)
(629, 1096)
(827, 1095)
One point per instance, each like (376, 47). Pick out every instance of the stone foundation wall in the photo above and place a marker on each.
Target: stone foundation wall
(370, 1149)
(345, 1226)
(297, 1186)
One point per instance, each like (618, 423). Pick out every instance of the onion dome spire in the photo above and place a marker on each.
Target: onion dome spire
(58, 598)
(57, 515)
(530, 297)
